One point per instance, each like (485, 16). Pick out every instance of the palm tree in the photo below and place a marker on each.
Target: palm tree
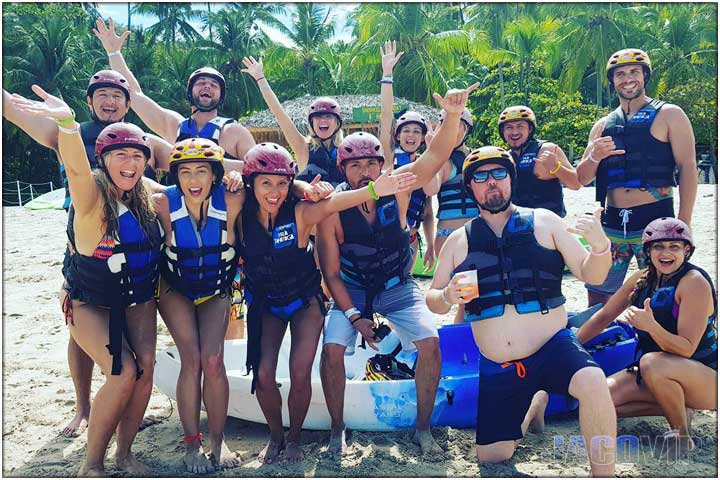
(173, 19)
(426, 32)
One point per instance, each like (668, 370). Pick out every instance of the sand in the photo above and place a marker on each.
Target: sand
(39, 399)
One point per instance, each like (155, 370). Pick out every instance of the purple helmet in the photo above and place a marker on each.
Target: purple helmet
(108, 79)
(121, 135)
(269, 158)
(324, 105)
(357, 146)
(408, 118)
(665, 229)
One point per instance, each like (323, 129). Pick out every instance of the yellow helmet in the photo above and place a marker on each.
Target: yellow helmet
(517, 112)
(197, 150)
(628, 56)
(484, 155)
(386, 367)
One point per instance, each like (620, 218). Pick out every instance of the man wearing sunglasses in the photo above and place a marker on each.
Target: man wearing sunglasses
(633, 153)
(542, 167)
(518, 315)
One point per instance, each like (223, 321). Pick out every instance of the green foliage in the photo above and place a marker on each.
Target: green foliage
(698, 98)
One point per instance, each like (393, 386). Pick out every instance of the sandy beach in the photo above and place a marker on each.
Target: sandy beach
(38, 396)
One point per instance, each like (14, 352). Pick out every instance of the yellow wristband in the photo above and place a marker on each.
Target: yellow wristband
(556, 169)
(67, 122)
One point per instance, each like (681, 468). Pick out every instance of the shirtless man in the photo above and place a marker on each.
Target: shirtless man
(519, 320)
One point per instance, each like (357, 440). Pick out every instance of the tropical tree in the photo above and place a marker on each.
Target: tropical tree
(427, 32)
(173, 20)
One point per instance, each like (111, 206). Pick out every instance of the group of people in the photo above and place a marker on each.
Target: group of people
(341, 215)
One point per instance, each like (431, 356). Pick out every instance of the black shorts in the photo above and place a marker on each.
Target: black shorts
(638, 217)
(506, 390)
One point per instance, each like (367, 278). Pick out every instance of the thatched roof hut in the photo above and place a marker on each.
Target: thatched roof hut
(359, 113)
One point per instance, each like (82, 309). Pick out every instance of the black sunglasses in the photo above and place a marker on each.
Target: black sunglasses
(482, 176)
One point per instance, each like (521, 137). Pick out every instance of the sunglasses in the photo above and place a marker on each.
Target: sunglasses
(497, 174)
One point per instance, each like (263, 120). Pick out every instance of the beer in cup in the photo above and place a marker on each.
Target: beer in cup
(469, 285)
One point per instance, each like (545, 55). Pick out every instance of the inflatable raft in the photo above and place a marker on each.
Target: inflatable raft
(391, 405)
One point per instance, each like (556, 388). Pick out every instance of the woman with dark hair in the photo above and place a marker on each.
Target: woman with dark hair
(673, 306)
(112, 275)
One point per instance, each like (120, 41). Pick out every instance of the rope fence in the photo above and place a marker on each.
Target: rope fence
(18, 193)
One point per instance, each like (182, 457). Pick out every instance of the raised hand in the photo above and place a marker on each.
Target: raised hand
(389, 57)
(589, 227)
(388, 184)
(253, 67)
(319, 190)
(430, 133)
(51, 106)
(111, 41)
(455, 99)
(549, 158)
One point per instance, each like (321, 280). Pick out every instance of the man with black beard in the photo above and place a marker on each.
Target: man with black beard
(633, 153)
(518, 315)
(108, 100)
(205, 92)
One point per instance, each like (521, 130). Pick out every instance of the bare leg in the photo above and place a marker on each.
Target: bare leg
(179, 315)
(427, 378)
(212, 322)
(598, 422)
(535, 417)
(90, 331)
(81, 369)
(267, 391)
(332, 373)
(142, 337)
(305, 329)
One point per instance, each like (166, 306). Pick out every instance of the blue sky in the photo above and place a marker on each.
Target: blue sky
(339, 10)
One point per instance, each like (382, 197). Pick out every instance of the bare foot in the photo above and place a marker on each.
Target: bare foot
(86, 471)
(337, 444)
(675, 446)
(195, 460)
(132, 465)
(293, 452)
(690, 414)
(536, 412)
(228, 459)
(427, 443)
(77, 425)
(271, 452)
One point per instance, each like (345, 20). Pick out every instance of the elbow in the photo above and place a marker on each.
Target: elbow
(574, 184)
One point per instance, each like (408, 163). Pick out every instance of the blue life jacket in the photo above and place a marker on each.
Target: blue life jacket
(453, 201)
(125, 275)
(646, 163)
(199, 262)
(374, 257)
(416, 207)
(513, 269)
(323, 162)
(211, 130)
(666, 312)
(529, 191)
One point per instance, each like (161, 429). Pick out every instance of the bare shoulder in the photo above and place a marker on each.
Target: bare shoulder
(695, 282)
(672, 112)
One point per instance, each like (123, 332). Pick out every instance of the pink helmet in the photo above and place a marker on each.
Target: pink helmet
(410, 118)
(357, 146)
(269, 158)
(665, 229)
(466, 117)
(324, 105)
(121, 135)
(108, 79)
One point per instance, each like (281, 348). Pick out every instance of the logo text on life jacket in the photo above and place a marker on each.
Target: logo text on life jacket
(527, 160)
(642, 116)
(284, 235)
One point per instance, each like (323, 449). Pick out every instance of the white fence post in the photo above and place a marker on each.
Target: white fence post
(18, 190)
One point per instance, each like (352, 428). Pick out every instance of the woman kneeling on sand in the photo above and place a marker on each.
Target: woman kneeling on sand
(112, 277)
(673, 305)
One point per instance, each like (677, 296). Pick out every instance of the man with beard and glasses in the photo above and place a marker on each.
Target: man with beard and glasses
(633, 153)
(517, 311)
(108, 100)
(205, 92)
(542, 167)
(366, 258)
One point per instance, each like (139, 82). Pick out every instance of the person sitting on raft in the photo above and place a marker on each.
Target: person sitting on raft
(519, 320)
(283, 282)
(673, 306)
(112, 276)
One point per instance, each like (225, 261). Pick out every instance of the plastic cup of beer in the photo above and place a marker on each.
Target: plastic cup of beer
(469, 285)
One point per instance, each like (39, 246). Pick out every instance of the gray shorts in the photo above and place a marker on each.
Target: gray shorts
(403, 305)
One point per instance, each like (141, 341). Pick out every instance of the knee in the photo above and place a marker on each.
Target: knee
(266, 378)
(495, 453)
(146, 364)
(429, 348)
(300, 378)
(653, 365)
(190, 362)
(589, 384)
(332, 355)
(124, 383)
(213, 365)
